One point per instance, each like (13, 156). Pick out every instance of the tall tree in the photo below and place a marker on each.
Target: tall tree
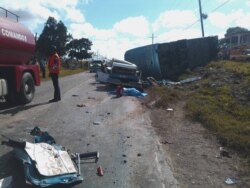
(233, 30)
(79, 48)
(54, 34)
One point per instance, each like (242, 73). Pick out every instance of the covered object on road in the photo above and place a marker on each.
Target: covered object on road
(169, 60)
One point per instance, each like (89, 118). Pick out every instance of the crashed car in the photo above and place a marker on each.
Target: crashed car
(47, 164)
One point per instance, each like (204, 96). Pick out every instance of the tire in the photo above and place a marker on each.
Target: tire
(27, 89)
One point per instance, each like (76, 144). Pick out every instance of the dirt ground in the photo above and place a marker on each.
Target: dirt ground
(195, 152)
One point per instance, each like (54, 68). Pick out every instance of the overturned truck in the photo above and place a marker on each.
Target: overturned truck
(169, 60)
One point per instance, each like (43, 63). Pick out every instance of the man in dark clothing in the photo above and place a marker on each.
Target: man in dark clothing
(43, 67)
(54, 65)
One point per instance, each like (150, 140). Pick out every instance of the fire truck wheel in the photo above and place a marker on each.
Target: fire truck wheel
(27, 89)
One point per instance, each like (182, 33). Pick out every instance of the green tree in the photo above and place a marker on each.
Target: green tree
(79, 48)
(233, 30)
(54, 34)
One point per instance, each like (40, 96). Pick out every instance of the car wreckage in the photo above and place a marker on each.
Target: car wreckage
(46, 163)
(119, 72)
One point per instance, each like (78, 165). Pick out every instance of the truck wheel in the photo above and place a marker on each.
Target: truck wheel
(27, 89)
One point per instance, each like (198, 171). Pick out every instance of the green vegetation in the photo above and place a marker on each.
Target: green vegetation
(64, 72)
(164, 96)
(220, 101)
(221, 104)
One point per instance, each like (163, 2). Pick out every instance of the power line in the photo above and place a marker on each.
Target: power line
(191, 24)
(220, 6)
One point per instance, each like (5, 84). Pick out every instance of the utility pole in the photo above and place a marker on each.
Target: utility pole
(152, 37)
(201, 18)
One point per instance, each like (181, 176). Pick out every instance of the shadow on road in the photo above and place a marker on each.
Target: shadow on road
(6, 108)
(105, 88)
(9, 166)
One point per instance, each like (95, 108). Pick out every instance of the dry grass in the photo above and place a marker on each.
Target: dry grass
(64, 72)
(220, 101)
(221, 104)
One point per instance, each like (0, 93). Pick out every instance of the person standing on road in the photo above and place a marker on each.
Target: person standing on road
(43, 67)
(54, 65)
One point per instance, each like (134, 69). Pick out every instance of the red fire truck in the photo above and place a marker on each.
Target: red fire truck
(18, 75)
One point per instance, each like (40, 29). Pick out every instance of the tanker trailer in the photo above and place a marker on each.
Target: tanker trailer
(18, 76)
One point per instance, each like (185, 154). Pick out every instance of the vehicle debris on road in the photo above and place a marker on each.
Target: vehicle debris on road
(81, 105)
(6, 182)
(100, 171)
(230, 181)
(46, 163)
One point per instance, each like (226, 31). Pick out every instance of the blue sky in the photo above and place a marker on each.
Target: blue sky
(115, 26)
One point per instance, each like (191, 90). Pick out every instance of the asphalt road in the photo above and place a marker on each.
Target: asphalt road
(119, 128)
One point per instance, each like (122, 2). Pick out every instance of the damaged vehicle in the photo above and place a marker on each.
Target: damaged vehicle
(95, 65)
(46, 163)
(120, 72)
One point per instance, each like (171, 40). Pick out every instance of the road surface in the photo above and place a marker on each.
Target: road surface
(119, 128)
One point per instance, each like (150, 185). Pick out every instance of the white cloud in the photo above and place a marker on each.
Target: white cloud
(75, 15)
(235, 18)
(86, 30)
(244, 21)
(116, 48)
(58, 4)
(222, 20)
(38, 11)
(248, 3)
(178, 34)
(174, 18)
(136, 26)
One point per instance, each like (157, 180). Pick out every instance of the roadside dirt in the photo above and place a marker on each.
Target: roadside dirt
(194, 152)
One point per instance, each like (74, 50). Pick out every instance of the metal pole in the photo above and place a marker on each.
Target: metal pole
(152, 38)
(201, 18)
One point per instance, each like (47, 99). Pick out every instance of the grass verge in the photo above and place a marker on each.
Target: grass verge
(220, 101)
(64, 72)
(221, 104)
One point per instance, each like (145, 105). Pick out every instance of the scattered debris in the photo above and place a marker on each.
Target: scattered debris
(46, 163)
(139, 155)
(100, 171)
(152, 81)
(125, 161)
(124, 155)
(133, 92)
(91, 98)
(96, 123)
(170, 109)
(188, 80)
(6, 182)
(75, 95)
(230, 181)
(224, 153)
(10, 126)
(166, 142)
(81, 105)
(42, 136)
(119, 90)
